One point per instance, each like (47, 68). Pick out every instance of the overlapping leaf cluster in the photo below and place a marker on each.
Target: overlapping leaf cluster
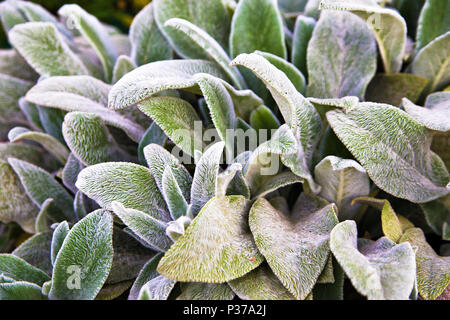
(95, 204)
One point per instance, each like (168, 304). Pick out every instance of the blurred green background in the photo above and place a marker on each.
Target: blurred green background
(118, 13)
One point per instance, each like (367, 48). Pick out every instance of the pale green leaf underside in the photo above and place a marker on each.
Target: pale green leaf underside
(378, 270)
(205, 291)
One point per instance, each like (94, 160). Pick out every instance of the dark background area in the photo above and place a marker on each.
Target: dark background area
(118, 13)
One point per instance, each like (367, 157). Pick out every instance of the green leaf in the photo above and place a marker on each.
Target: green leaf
(41, 224)
(434, 116)
(47, 141)
(341, 57)
(20, 270)
(179, 125)
(220, 105)
(331, 291)
(437, 215)
(303, 30)
(404, 148)
(145, 81)
(205, 291)
(12, 64)
(158, 159)
(433, 271)
(393, 226)
(40, 186)
(10, 15)
(153, 135)
(388, 26)
(147, 273)
(204, 183)
(263, 118)
(15, 205)
(31, 112)
(113, 291)
(264, 161)
(95, 34)
(44, 48)
(89, 139)
(296, 257)
(260, 284)
(292, 5)
(211, 48)
(276, 182)
(151, 230)
(392, 88)
(87, 253)
(249, 19)
(36, 251)
(378, 270)
(20, 290)
(11, 89)
(434, 21)
(225, 257)
(60, 233)
(211, 16)
(127, 183)
(433, 63)
(147, 42)
(173, 195)
(70, 172)
(342, 180)
(158, 288)
(84, 94)
(298, 113)
(294, 75)
(123, 65)
(51, 120)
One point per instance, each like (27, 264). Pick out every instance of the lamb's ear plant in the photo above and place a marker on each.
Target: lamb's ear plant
(253, 149)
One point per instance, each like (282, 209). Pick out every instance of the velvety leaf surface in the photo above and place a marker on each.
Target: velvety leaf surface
(341, 56)
(260, 284)
(128, 183)
(20, 290)
(158, 288)
(60, 233)
(88, 252)
(147, 42)
(433, 62)
(220, 238)
(205, 291)
(36, 251)
(84, 94)
(145, 226)
(434, 21)
(211, 48)
(296, 249)
(20, 270)
(377, 270)
(15, 205)
(147, 273)
(89, 139)
(397, 158)
(204, 183)
(435, 114)
(44, 48)
(179, 125)
(95, 33)
(342, 180)
(40, 186)
(155, 77)
(123, 65)
(173, 195)
(47, 141)
(387, 24)
(211, 16)
(11, 89)
(433, 271)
